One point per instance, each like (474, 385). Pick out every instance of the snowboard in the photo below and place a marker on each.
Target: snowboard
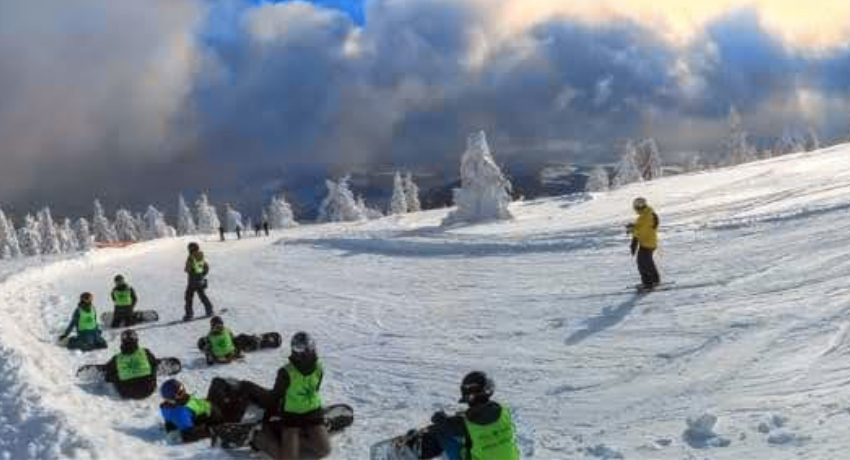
(247, 342)
(665, 286)
(97, 372)
(197, 318)
(234, 435)
(139, 316)
(412, 445)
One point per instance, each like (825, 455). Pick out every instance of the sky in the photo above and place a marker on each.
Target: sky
(138, 100)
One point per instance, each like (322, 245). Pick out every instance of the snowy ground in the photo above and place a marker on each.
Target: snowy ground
(757, 331)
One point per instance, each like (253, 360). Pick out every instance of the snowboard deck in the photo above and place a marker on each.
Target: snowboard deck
(249, 342)
(338, 417)
(197, 318)
(665, 286)
(139, 317)
(97, 372)
(408, 446)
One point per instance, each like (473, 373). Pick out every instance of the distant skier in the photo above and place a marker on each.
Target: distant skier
(196, 269)
(296, 399)
(133, 370)
(644, 233)
(84, 320)
(221, 232)
(266, 227)
(125, 299)
(485, 431)
(257, 228)
(222, 345)
(189, 418)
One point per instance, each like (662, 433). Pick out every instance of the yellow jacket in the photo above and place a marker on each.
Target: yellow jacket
(645, 228)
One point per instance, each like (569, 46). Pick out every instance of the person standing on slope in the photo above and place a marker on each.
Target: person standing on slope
(84, 320)
(296, 398)
(196, 269)
(133, 371)
(644, 232)
(124, 298)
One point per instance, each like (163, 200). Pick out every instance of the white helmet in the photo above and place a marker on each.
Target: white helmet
(639, 203)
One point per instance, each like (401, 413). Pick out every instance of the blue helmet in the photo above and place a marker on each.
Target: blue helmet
(172, 389)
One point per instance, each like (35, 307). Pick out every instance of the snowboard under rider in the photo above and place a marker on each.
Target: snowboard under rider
(124, 298)
(85, 322)
(133, 370)
(196, 269)
(644, 232)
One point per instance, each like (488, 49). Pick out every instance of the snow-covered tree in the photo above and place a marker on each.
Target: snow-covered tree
(627, 170)
(154, 225)
(738, 148)
(812, 139)
(29, 237)
(370, 213)
(185, 222)
(126, 226)
(47, 230)
(694, 162)
(649, 159)
(67, 237)
(234, 219)
(9, 247)
(84, 236)
(398, 202)
(104, 231)
(279, 213)
(207, 216)
(597, 180)
(485, 191)
(411, 193)
(339, 205)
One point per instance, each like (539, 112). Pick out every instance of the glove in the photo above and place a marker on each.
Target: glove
(63, 337)
(634, 246)
(630, 228)
(439, 418)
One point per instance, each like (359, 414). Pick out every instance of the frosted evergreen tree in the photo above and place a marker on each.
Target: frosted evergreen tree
(411, 193)
(738, 148)
(789, 142)
(485, 191)
(68, 237)
(597, 180)
(694, 162)
(649, 159)
(104, 231)
(84, 236)
(398, 202)
(207, 216)
(185, 222)
(47, 230)
(155, 226)
(9, 247)
(233, 219)
(125, 226)
(29, 237)
(370, 213)
(627, 170)
(812, 139)
(339, 205)
(279, 213)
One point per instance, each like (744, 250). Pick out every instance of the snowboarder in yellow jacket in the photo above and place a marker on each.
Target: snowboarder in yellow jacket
(644, 232)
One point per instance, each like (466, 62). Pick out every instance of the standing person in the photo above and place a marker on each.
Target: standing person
(221, 232)
(133, 370)
(196, 269)
(644, 233)
(124, 298)
(296, 398)
(238, 231)
(84, 320)
(266, 227)
(485, 431)
(257, 228)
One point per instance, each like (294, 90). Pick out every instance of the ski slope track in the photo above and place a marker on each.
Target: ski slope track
(755, 332)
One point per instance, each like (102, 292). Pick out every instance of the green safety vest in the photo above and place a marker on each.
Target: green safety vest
(221, 345)
(122, 298)
(87, 320)
(197, 266)
(496, 441)
(133, 366)
(302, 396)
(199, 407)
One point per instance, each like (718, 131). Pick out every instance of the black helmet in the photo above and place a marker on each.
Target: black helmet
(129, 337)
(86, 297)
(119, 279)
(302, 343)
(216, 321)
(193, 246)
(172, 390)
(476, 386)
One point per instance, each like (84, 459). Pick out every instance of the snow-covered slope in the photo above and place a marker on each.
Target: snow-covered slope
(756, 332)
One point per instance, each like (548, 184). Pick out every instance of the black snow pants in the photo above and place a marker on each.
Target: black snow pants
(646, 266)
(191, 290)
(122, 317)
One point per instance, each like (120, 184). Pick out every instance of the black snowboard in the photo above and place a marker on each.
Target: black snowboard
(197, 318)
(247, 342)
(338, 417)
(139, 316)
(414, 445)
(97, 372)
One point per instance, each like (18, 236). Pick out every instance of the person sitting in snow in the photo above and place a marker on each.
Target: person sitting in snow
(485, 431)
(644, 232)
(85, 321)
(220, 345)
(133, 370)
(125, 299)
